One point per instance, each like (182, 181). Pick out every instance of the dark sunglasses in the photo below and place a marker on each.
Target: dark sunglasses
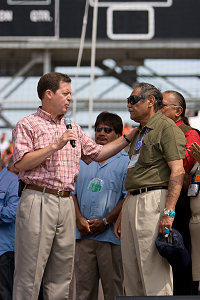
(106, 129)
(134, 99)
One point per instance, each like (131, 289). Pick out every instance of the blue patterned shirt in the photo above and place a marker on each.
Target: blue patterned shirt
(99, 188)
(8, 206)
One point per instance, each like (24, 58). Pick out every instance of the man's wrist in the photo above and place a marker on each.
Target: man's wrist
(168, 213)
(54, 147)
(105, 222)
(127, 140)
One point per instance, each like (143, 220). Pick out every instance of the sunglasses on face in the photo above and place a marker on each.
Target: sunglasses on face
(106, 129)
(134, 99)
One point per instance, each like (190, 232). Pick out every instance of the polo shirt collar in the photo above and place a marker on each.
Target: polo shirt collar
(151, 123)
(109, 160)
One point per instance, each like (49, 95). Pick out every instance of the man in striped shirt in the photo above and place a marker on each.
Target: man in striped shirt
(48, 166)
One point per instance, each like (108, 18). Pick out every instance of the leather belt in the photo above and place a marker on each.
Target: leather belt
(147, 189)
(60, 193)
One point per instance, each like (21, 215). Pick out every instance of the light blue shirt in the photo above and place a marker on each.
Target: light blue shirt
(109, 179)
(8, 206)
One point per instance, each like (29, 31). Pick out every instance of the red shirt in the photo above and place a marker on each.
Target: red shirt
(191, 137)
(60, 170)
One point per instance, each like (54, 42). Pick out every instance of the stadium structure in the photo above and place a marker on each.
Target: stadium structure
(105, 46)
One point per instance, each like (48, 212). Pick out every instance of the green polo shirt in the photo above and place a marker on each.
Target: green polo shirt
(163, 143)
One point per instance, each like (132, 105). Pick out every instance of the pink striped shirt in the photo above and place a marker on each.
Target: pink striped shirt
(60, 170)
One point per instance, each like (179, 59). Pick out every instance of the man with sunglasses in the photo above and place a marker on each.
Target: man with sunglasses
(174, 107)
(99, 194)
(154, 179)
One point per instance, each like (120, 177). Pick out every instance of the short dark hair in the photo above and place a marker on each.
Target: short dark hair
(110, 119)
(148, 89)
(51, 81)
(181, 102)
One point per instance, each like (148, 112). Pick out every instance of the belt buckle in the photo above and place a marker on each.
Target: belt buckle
(61, 193)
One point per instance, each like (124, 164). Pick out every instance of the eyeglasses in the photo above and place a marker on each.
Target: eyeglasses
(106, 129)
(165, 104)
(134, 99)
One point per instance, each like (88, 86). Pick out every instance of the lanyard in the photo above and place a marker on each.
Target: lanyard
(140, 141)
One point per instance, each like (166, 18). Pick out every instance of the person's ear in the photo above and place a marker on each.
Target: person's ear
(179, 111)
(151, 100)
(48, 93)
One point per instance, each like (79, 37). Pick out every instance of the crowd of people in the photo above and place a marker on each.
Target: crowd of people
(93, 211)
(6, 149)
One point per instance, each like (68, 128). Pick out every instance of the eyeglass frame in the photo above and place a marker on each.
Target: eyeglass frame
(164, 104)
(105, 129)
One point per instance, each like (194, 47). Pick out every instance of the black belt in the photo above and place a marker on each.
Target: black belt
(147, 189)
(60, 193)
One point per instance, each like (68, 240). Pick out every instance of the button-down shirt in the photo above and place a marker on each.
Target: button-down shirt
(8, 207)
(97, 204)
(163, 143)
(60, 170)
(191, 136)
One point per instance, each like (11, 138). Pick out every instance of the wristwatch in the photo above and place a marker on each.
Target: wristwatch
(105, 221)
(168, 213)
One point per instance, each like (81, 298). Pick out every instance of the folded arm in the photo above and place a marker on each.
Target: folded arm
(8, 211)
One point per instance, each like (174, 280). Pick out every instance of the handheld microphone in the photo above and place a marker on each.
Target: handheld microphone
(69, 126)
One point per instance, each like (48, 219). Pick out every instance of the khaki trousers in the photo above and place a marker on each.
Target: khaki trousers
(195, 236)
(146, 273)
(44, 245)
(95, 260)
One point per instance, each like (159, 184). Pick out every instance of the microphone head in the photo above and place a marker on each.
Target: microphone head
(68, 125)
(67, 121)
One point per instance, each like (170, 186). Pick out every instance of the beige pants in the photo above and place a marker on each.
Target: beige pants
(195, 236)
(95, 260)
(146, 273)
(44, 244)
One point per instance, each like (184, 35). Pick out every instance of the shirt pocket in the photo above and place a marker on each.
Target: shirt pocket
(148, 154)
(44, 137)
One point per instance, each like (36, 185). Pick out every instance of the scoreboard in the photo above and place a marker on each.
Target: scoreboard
(117, 19)
(21, 19)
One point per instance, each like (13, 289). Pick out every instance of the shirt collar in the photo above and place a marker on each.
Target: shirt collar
(114, 157)
(151, 123)
(45, 115)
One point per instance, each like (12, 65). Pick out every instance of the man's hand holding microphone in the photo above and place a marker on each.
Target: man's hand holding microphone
(68, 135)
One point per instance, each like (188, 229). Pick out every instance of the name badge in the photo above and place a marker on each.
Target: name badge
(96, 185)
(133, 161)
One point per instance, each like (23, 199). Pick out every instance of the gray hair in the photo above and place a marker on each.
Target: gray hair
(147, 90)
